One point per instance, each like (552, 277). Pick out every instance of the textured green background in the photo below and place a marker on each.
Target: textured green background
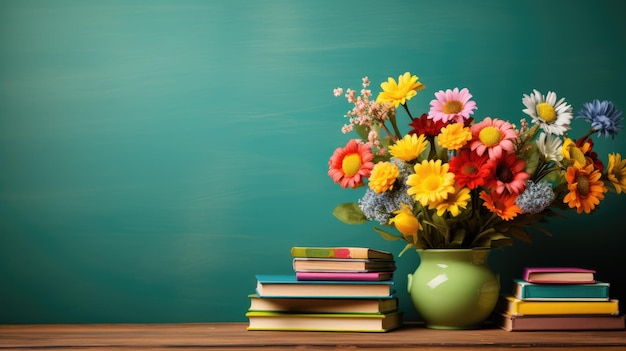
(156, 155)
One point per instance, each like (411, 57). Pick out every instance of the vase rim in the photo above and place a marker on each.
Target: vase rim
(458, 249)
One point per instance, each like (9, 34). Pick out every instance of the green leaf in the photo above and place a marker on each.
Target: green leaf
(440, 152)
(407, 247)
(362, 131)
(519, 233)
(497, 243)
(494, 240)
(387, 236)
(350, 213)
(457, 239)
(543, 230)
(532, 159)
(484, 235)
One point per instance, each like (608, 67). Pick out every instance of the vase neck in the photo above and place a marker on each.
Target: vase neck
(476, 256)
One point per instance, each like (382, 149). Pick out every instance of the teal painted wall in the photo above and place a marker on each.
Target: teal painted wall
(155, 156)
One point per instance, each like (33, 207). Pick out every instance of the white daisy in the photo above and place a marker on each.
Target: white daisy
(550, 147)
(553, 116)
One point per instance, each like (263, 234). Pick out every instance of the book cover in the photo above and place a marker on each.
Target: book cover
(342, 322)
(598, 291)
(559, 322)
(517, 307)
(559, 275)
(340, 252)
(290, 286)
(367, 276)
(303, 264)
(323, 305)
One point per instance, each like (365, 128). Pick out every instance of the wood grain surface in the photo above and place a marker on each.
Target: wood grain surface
(234, 336)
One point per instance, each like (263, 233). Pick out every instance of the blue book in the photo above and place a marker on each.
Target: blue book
(598, 291)
(290, 286)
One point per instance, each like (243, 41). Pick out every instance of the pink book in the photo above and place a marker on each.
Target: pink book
(363, 276)
(559, 275)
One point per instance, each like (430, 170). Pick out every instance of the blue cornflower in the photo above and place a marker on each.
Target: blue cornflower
(603, 116)
(536, 198)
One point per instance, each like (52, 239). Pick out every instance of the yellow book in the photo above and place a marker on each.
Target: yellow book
(518, 307)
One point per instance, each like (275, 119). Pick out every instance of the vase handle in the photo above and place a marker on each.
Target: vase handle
(409, 280)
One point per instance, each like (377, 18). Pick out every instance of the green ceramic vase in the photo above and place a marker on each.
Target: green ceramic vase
(454, 288)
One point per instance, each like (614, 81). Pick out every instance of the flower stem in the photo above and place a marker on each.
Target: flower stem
(482, 231)
(584, 137)
(406, 108)
(389, 133)
(394, 124)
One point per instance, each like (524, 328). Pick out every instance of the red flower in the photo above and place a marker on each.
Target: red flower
(470, 170)
(425, 126)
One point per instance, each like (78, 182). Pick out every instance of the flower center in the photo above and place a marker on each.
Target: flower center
(499, 206)
(351, 164)
(582, 185)
(469, 169)
(504, 174)
(431, 183)
(452, 107)
(489, 136)
(546, 112)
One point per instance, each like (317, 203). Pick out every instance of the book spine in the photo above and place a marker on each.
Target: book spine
(554, 292)
(312, 252)
(358, 276)
(563, 307)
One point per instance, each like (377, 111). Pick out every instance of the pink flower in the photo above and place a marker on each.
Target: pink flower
(366, 82)
(508, 174)
(337, 91)
(350, 164)
(451, 105)
(493, 135)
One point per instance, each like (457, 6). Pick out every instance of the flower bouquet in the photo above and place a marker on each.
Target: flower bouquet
(455, 182)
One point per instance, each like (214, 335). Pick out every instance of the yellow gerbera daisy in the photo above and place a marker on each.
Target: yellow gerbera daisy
(454, 136)
(383, 176)
(616, 172)
(431, 182)
(454, 203)
(406, 222)
(408, 148)
(585, 188)
(398, 93)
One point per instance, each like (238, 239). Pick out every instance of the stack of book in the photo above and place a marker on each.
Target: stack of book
(558, 298)
(331, 289)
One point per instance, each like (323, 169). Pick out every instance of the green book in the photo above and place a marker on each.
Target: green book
(598, 291)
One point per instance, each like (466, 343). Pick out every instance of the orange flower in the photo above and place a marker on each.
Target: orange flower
(501, 204)
(585, 188)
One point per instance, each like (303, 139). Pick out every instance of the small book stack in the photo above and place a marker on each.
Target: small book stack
(558, 298)
(348, 289)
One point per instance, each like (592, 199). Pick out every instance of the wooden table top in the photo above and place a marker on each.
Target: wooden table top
(234, 336)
